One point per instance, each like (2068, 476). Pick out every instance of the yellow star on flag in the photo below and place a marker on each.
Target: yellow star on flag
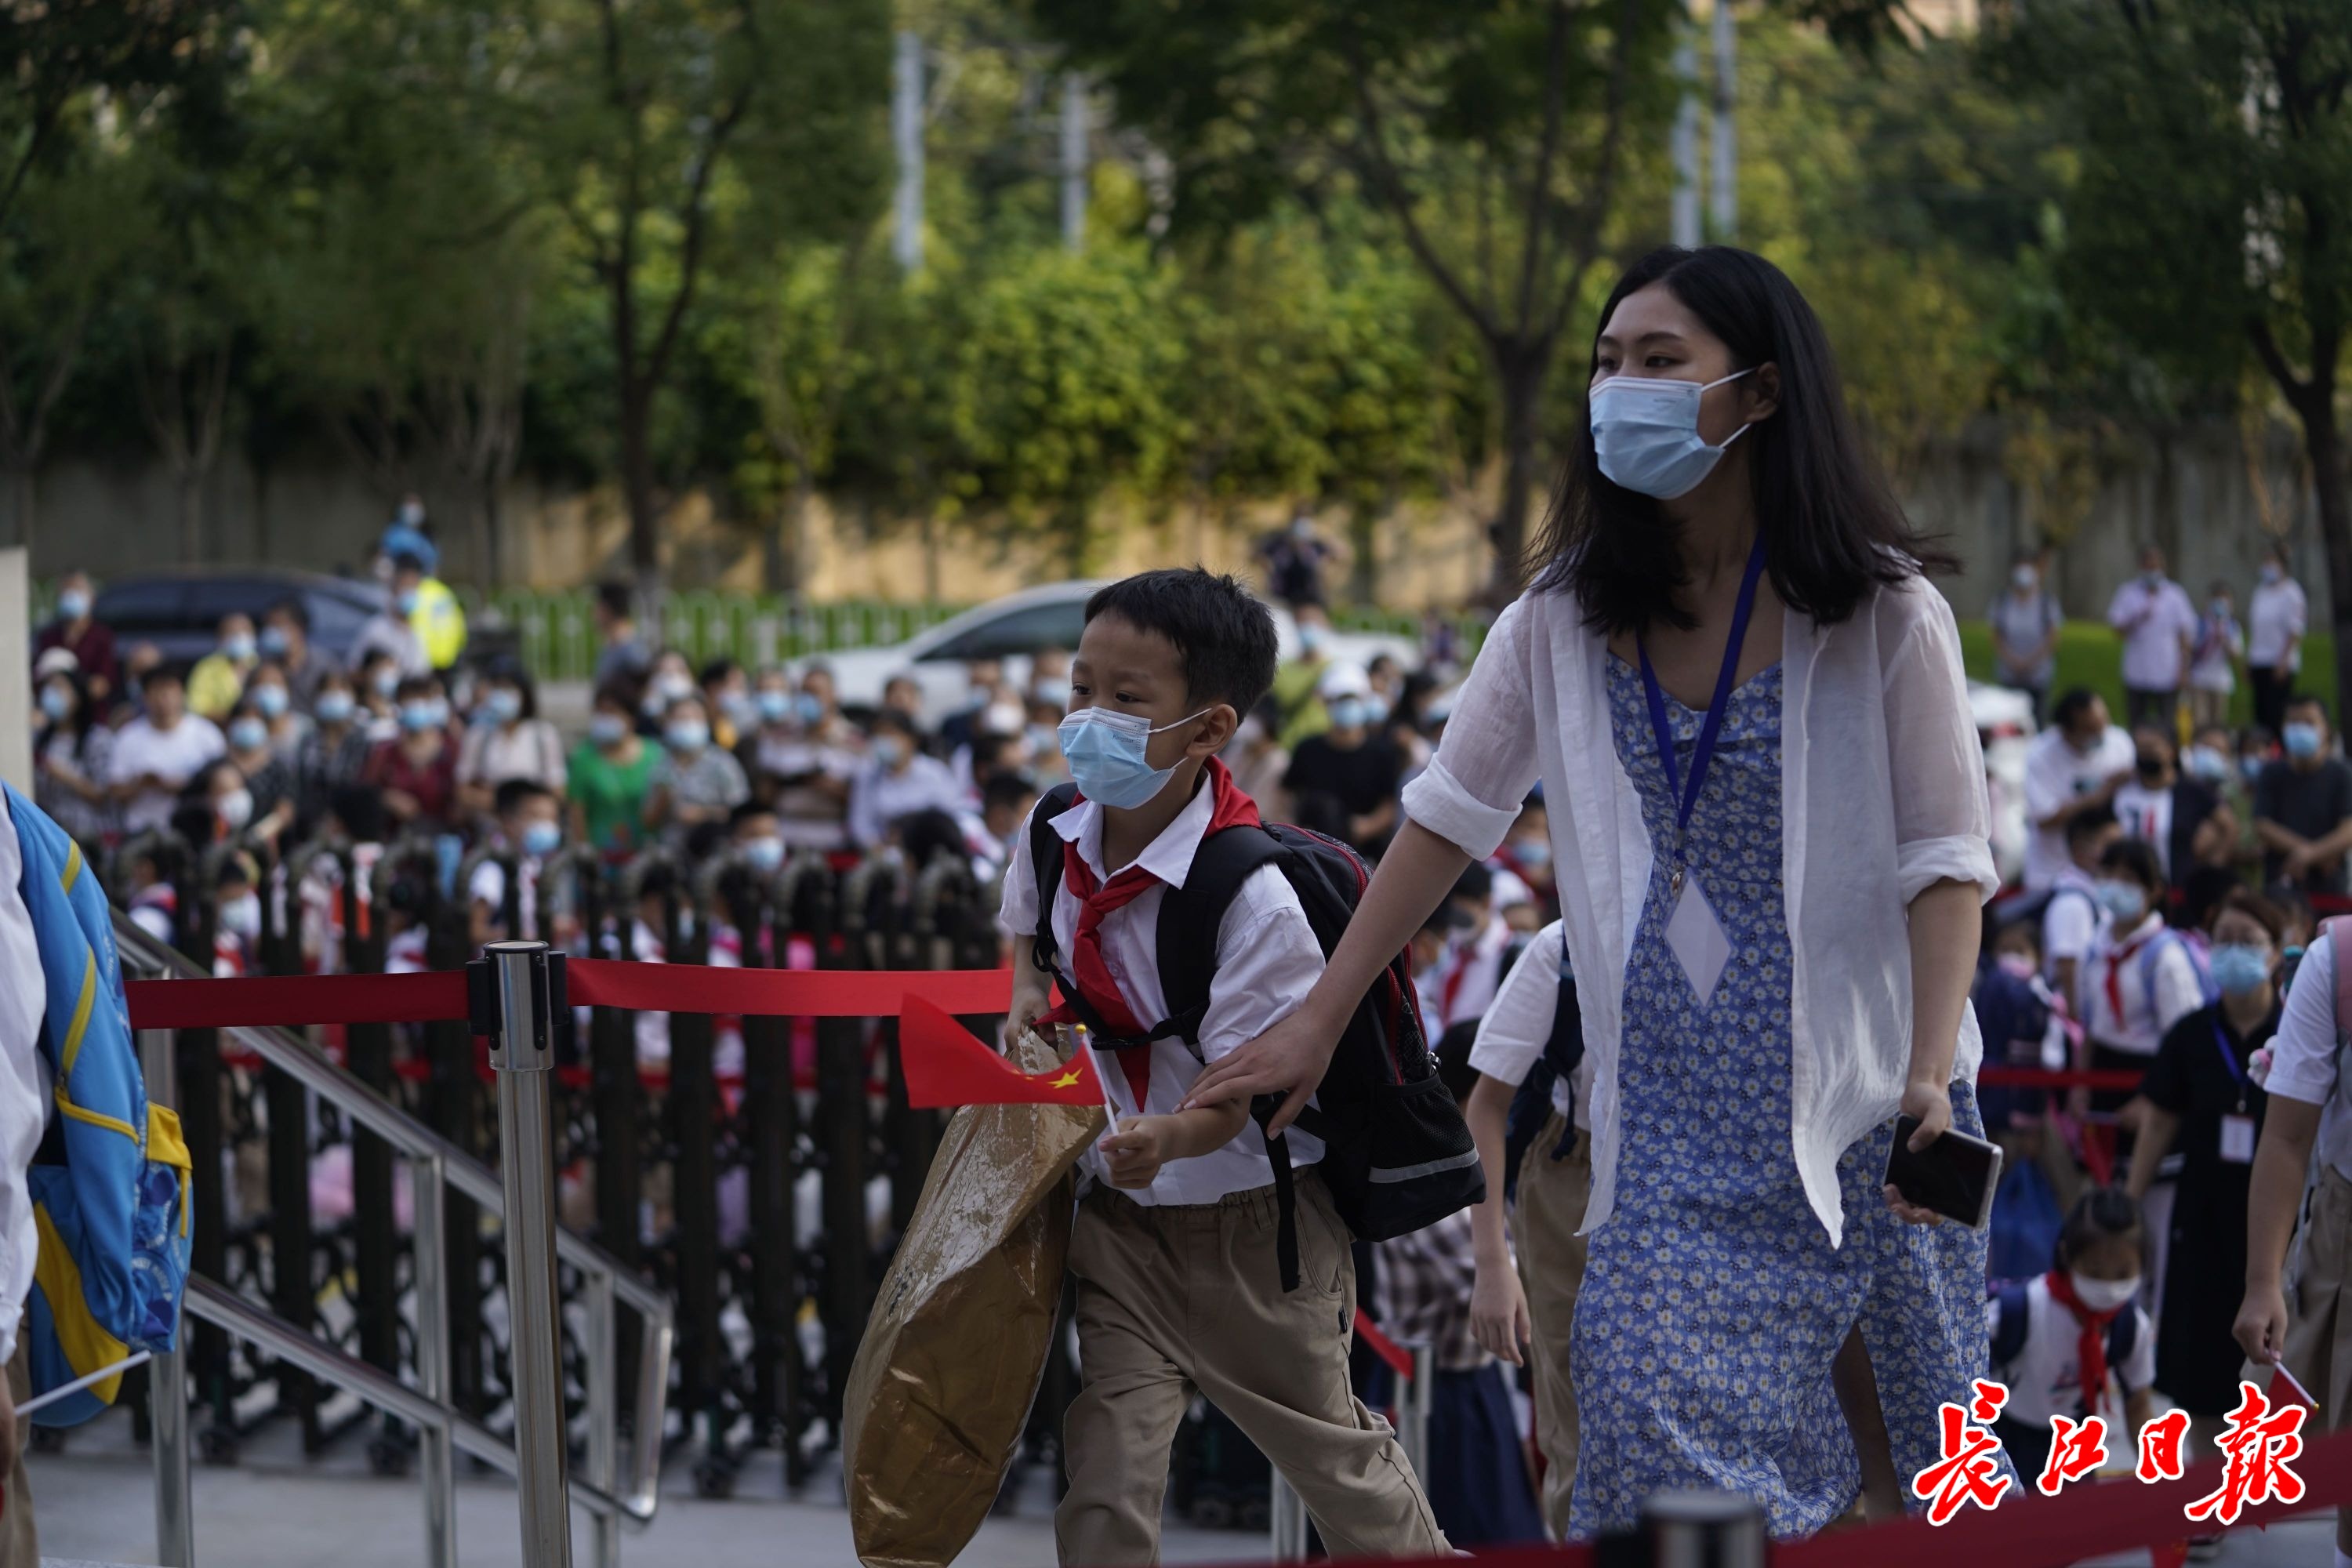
(1068, 1080)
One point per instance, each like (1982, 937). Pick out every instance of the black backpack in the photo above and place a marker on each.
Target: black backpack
(1396, 1153)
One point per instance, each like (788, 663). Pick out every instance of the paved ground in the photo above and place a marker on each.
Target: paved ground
(274, 1511)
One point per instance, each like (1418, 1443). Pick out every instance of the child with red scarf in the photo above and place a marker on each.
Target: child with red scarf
(1173, 1250)
(2058, 1340)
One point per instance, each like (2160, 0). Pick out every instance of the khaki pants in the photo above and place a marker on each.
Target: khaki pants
(2318, 1348)
(20, 1543)
(1174, 1299)
(1552, 1195)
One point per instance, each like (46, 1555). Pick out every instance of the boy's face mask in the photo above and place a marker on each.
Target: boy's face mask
(1107, 753)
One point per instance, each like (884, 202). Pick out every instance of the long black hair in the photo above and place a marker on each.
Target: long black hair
(1833, 530)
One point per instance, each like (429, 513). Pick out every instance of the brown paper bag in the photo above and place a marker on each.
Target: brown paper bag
(941, 1385)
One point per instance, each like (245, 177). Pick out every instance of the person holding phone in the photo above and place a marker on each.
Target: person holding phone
(2298, 1313)
(1766, 800)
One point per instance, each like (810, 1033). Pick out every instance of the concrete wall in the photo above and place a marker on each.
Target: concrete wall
(2193, 491)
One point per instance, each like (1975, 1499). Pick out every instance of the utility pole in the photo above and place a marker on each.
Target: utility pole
(907, 137)
(1685, 224)
(1074, 162)
(1723, 185)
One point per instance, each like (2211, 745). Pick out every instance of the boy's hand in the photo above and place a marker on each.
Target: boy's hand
(1029, 1004)
(1137, 1151)
(1498, 1314)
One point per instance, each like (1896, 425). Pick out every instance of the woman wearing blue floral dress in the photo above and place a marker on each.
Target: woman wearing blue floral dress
(1768, 815)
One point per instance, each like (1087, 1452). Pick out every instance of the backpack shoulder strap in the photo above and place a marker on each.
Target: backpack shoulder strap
(2010, 1325)
(1192, 916)
(1045, 860)
(2123, 1336)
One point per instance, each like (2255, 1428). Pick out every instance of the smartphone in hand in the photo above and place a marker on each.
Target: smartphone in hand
(1955, 1175)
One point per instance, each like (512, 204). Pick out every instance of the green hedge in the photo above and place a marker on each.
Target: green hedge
(2090, 654)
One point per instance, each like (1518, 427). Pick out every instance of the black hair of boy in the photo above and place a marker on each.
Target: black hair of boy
(1476, 883)
(2099, 1213)
(2084, 826)
(1224, 637)
(1007, 790)
(2136, 859)
(360, 808)
(513, 794)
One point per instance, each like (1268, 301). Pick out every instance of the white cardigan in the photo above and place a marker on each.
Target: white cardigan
(1882, 794)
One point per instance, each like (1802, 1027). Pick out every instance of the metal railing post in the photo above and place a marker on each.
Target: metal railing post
(436, 1457)
(604, 1416)
(522, 1054)
(167, 1374)
(1413, 1403)
(1700, 1528)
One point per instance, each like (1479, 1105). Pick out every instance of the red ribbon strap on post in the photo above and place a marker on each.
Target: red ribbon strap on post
(293, 1001)
(1400, 1359)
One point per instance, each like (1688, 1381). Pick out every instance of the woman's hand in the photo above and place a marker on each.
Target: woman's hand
(1932, 1104)
(2260, 1328)
(1498, 1314)
(1137, 1151)
(1288, 1060)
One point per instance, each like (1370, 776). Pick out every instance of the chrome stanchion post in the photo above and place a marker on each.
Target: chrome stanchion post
(1700, 1528)
(1413, 1403)
(604, 1418)
(167, 1374)
(522, 1052)
(436, 1458)
(1288, 1511)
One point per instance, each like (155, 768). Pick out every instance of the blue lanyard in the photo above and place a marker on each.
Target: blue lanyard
(1686, 795)
(2229, 1060)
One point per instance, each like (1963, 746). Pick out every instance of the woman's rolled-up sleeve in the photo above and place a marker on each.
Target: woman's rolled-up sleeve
(1472, 790)
(1943, 814)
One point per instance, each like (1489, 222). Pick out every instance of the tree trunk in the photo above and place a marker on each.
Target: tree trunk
(192, 514)
(2322, 438)
(637, 493)
(1520, 366)
(486, 533)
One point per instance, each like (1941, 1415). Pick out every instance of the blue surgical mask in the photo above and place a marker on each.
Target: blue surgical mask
(541, 839)
(2241, 968)
(889, 750)
(1376, 708)
(505, 704)
(405, 601)
(248, 734)
(73, 604)
(333, 707)
(385, 681)
(810, 707)
(1106, 751)
(2123, 901)
(57, 702)
(239, 647)
(687, 735)
(775, 706)
(273, 640)
(764, 854)
(2205, 764)
(1534, 854)
(2250, 767)
(607, 729)
(1310, 640)
(2302, 741)
(1348, 713)
(271, 699)
(415, 716)
(1646, 430)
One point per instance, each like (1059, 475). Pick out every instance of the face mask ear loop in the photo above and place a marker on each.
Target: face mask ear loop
(1745, 426)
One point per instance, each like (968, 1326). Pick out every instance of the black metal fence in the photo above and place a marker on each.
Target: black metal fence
(763, 1187)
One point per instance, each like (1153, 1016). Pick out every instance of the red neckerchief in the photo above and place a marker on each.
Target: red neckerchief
(1231, 808)
(2091, 1344)
(2116, 961)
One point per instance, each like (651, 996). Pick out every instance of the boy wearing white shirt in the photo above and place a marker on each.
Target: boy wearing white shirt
(1174, 1246)
(2072, 769)
(2276, 618)
(2158, 626)
(1536, 1304)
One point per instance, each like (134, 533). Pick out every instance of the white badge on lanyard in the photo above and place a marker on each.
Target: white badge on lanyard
(2238, 1140)
(1693, 930)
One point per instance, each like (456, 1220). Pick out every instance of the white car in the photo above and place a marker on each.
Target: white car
(2004, 721)
(1014, 630)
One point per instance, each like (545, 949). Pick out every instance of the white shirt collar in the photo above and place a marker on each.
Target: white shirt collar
(1168, 856)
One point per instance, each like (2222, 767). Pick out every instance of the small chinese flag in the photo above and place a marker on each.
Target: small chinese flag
(2285, 1390)
(947, 1066)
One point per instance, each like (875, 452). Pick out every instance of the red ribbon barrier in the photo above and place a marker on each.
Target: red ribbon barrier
(1400, 1359)
(295, 1000)
(2042, 1077)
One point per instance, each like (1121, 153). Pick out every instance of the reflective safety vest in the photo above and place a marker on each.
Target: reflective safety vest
(439, 622)
(110, 1184)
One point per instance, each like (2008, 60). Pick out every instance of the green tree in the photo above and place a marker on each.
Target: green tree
(1492, 135)
(2209, 223)
(671, 133)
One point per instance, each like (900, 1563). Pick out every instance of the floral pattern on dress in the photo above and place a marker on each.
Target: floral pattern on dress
(1712, 1305)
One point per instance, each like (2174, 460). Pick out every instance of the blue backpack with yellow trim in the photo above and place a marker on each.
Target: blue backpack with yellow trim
(110, 1184)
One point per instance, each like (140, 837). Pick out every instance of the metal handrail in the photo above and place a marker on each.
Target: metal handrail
(436, 1166)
